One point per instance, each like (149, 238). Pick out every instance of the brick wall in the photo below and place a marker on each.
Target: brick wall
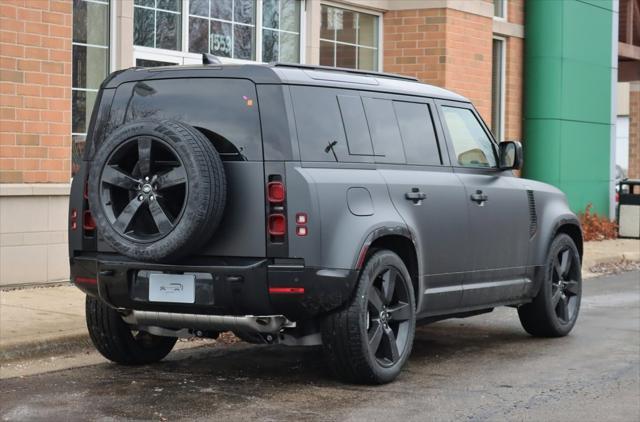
(35, 88)
(634, 131)
(443, 47)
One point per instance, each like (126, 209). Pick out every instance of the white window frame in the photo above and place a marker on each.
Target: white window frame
(505, 11)
(186, 57)
(503, 85)
(367, 12)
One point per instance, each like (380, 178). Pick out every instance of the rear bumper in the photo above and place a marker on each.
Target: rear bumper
(223, 286)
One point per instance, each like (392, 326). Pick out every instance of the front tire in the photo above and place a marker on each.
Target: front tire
(369, 341)
(554, 311)
(114, 339)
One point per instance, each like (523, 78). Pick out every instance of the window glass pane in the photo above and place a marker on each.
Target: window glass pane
(90, 66)
(147, 3)
(270, 14)
(314, 133)
(198, 35)
(220, 39)
(244, 11)
(173, 5)
(327, 23)
(350, 31)
(327, 52)
(367, 58)
(90, 23)
(418, 135)
(289, 47)
(269, 45)
(367, 30)
(143, 27)
(199, 7)
(385, 134)
(345, 24)
(222, 9)
(290, 19)
(498, 8)
(167, 30)
(355, 125)
(496, 89)
(346, 56)
(471, 145)
(243, 42)
(81, 109)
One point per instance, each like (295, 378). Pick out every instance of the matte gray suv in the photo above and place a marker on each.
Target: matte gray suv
(307, 206)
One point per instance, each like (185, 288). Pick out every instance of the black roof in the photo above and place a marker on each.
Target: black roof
(285, 73)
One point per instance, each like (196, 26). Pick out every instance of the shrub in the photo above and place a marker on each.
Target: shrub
(596, 227)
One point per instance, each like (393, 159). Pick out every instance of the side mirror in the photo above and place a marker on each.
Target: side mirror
(511, 155)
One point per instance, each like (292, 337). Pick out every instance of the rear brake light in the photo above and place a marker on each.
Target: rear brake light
(88, 223)
(277, 225)
(275, 192)
(286, 290)
(86, 280)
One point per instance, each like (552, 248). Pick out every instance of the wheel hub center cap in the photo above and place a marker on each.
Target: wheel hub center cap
(146, 188)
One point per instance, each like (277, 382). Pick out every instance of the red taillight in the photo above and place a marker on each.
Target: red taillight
(74, 219)
(286, 290)
(301, 231)
(275, 192)
(277, 225)
(86, 280)
(88, 223)
(301, 224)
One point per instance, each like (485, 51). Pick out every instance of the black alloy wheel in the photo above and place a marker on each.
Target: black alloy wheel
(144, 189)
(388, 315)
(565, 286)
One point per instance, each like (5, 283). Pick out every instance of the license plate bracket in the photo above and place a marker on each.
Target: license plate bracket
(172, 288)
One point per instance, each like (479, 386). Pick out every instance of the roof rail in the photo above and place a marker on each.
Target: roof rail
(343, 69)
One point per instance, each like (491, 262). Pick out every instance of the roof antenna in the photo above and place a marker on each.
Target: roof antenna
(210, 59)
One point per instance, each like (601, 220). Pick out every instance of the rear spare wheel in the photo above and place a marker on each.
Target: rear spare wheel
(157, 190)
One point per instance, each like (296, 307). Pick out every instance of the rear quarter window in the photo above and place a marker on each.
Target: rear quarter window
(418, 133)
(221, 108)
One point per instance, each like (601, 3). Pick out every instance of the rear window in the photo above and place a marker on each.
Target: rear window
(224, 109)
(418, 133)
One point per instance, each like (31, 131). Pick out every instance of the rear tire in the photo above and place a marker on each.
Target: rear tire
(554, 311)
(369, 341)
(114, 339)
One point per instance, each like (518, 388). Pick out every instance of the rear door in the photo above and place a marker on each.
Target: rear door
(497, 206)
(226, 111)
(424, 190)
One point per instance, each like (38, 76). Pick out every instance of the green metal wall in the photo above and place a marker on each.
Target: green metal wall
(567, 109)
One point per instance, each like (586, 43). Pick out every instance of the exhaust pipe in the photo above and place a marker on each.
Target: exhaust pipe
(247, 323)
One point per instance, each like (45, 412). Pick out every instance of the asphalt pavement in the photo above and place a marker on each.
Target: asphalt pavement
(480, 368)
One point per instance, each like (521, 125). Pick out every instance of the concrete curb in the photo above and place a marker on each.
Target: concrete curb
(69, 343)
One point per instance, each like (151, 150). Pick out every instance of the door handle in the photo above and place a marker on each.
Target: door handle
(479, 197)
(415, 195)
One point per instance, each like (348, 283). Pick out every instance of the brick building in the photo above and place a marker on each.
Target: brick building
(55, 53)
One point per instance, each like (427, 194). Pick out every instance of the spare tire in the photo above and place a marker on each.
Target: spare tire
(157, 190)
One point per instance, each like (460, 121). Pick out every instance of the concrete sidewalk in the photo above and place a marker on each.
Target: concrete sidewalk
(50, 320)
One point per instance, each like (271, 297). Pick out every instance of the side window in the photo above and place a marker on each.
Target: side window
(319, 124)
(418, 134)
(385, 134)
(355, 125)
(472, 146)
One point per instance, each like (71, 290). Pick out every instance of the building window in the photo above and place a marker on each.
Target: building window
(500, 8)
(157, 24)
(348, 39)
(225, 28)
(90, 66)
(497, 88)
(281, 31)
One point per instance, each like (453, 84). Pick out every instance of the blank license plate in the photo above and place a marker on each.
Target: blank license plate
(175, 288)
